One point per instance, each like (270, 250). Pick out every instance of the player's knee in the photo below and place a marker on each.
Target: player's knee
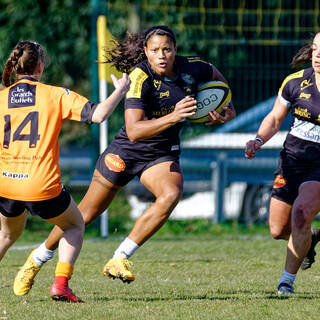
(278, 233)
(88, 215)
(9, 238)
(81, 227)
(170, 198)
(301, 216)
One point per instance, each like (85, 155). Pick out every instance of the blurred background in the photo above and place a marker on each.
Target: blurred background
(252, 42)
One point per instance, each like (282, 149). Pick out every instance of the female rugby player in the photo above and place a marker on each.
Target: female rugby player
(31, 116)
(295, 197)
(161, 96)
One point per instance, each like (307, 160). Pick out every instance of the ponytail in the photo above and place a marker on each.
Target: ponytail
(126, 54)
(303, 56)
(23, 60)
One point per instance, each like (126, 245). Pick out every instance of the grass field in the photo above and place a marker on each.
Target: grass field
(184, 277)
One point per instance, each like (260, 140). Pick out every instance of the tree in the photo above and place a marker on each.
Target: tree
(63, 28)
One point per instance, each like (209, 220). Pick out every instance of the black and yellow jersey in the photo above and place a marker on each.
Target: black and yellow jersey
(31, 116)
(300, 93)
(157, 96)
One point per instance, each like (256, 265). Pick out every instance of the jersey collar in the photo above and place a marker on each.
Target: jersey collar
(28, 78)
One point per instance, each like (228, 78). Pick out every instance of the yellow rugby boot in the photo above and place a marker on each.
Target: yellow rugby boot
(25, 276)
(118, 268)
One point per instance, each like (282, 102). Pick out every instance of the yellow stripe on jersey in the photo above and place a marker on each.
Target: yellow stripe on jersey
(196, 59)
(295, 75)
(137, 77)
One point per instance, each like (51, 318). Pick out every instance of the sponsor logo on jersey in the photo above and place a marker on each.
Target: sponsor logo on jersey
(302, 112)
(14, 175)
(304, 96)
(157, 84)
(305, 84)
(137, 77)
(22, 95)
(114, 162)
(279, 182)
(305, 130)
(164, 94)
(162, 112)
(187, 78)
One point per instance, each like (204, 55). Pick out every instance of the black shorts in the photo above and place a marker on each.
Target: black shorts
(118, 167)
(290, 175)
(45, 209)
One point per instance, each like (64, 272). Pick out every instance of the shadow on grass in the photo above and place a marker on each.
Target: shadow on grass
(186, 298)
(225, 296)
(304, 296)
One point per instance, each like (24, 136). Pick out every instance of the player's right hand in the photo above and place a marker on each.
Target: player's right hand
(184, 108)
(252, 146)
(123, 84)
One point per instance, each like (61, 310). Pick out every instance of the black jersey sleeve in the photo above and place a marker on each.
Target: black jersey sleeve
(136, 97)
(203, 69)
(286, 91)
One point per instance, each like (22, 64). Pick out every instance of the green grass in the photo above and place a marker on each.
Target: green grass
(190, 276)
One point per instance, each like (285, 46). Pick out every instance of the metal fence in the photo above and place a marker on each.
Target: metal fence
(251, 42)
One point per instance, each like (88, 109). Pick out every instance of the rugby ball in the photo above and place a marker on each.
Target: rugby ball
(212, 95)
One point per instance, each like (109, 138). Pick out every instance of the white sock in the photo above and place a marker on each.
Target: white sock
(42, 254)
(126, 249)
(287, 277)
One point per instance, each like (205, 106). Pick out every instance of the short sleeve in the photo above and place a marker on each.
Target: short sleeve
(76, 107)
(203, 69)
(136, 96)
(286, 90)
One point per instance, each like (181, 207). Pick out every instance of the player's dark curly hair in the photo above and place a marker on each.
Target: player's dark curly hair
(126, 54)
(23, 60)
(304, 55)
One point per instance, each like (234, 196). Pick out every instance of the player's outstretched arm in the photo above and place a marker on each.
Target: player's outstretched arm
(106, 107)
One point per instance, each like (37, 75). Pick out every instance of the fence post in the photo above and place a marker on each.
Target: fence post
(218, 181)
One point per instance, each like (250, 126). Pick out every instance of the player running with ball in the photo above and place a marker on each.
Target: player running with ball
(148, 146)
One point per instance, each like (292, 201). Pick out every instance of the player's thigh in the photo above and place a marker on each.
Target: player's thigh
(163, 177)
(308, 200)
(100, 194)
(71, 217)
(279, 218)
(13, 225)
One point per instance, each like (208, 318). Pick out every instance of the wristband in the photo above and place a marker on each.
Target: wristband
(259, 140)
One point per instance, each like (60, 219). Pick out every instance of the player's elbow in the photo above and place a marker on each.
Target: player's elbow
(97, 118)
(133, 137)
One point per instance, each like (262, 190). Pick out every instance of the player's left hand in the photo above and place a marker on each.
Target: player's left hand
(226, 115)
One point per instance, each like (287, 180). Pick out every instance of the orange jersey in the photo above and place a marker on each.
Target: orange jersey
(31, 116)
